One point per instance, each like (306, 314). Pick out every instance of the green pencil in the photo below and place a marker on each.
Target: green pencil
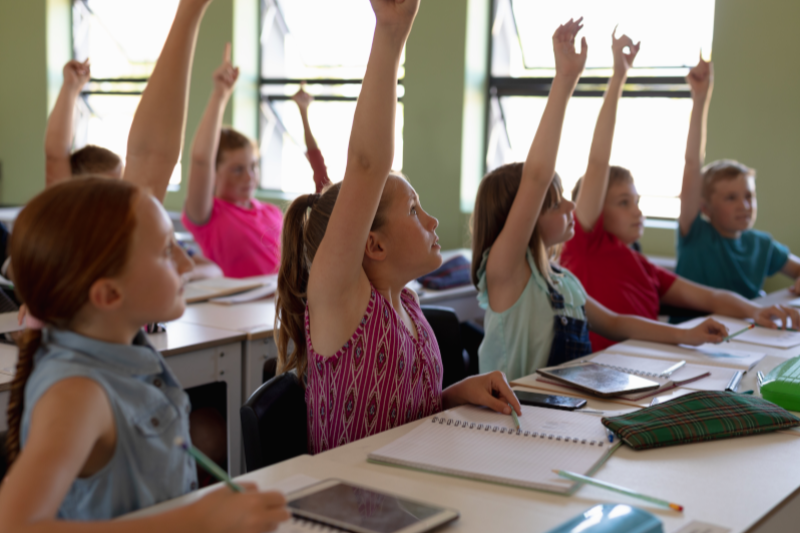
(210, 466)
(732, 335)
(514, 416)
(616, 488)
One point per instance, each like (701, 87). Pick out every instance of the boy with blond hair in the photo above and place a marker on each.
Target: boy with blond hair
(717, 245)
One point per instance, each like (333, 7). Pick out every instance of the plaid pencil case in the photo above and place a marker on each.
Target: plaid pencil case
(453, 273)
(699, 416)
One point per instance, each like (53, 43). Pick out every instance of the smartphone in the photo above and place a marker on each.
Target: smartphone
(549, 400)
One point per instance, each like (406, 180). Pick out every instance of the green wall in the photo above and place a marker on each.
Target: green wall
(754, 115)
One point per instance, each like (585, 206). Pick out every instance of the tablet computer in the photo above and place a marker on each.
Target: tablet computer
(599, 380)
(364, 510)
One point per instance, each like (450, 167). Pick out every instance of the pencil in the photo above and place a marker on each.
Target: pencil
(514, 416)
(210, 466)
(732, 335)
(616, 488)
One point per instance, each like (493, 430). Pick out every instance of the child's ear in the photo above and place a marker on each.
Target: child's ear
(375, 248)
(105, 295)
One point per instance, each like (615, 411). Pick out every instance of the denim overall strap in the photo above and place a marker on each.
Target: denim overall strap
(570, 335)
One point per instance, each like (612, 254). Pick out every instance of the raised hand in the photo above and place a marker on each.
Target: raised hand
(76, 74)
(707, 331)
(701, 79)
(622, 61)
(568, 61)
(302, 98)
(398, 14)
(226, 74)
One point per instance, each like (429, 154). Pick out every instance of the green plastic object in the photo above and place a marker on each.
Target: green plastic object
(781, 385)
(612, 518)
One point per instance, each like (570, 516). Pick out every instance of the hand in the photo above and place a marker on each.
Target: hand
(766, 317)
(622, 61)
(708, 331)
(701, 79)
(397, 14)
(569, 62)
(250, 512)
(226, 75)
(302, 98)
(490, 390)
(77, 74)
(795, 289)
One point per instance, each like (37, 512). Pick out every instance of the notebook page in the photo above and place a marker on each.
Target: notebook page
(480, 444)
(706, 354)
(758, 335)
(650, 368)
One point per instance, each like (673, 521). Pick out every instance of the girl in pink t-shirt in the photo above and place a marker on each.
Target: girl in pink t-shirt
(234, 230)
(360, 338)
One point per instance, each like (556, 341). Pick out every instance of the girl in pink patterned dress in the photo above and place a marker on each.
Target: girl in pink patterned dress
(369, 356)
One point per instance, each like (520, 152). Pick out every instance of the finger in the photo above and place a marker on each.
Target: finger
(614, 33)
(227, 55)
(500, 406)
(584, 47)
(794, 316)
(780, 312)
(508, 397)
(273, 498)
(248, 486)
(764, 319)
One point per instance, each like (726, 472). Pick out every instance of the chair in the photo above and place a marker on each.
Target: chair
(456, 361)
(274, 422)
(3, 456)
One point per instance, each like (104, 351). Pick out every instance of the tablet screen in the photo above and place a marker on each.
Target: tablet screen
(599, 378)
(362, 508)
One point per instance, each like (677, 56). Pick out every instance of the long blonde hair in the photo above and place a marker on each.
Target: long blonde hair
(495, 196)
(304, 227)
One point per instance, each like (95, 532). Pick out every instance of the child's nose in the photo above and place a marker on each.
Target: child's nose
(569, 205)
(183, 262)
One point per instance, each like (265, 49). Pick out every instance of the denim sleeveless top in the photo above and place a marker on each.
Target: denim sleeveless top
(150, 411)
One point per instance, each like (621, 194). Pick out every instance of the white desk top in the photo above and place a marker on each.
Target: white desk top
(252, 319)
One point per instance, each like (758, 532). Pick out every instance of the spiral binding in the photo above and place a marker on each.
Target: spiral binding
(518, 432)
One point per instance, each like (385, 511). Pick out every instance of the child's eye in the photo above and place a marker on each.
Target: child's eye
(413, 210)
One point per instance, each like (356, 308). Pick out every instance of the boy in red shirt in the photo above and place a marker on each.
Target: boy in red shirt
(610, 221)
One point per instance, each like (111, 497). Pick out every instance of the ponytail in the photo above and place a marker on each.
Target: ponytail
(28, 344)
(292, 286)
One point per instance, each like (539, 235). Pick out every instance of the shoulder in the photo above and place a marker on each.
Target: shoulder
(411, 294)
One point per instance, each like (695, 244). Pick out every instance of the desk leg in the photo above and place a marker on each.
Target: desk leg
(255, 353)
(223, 363)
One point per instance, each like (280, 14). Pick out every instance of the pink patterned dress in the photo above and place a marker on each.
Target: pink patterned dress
(381, 378)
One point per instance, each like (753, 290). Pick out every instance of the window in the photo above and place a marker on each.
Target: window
(653, 115)
(122, 39)
(326, 44)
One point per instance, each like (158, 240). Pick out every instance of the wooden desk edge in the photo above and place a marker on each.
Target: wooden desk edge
(203, 345)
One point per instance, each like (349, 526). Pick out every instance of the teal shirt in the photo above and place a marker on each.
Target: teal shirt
(518, 340)
(150, 410)
(739, 265)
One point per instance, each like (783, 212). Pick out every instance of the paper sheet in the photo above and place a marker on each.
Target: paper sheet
(758, 335)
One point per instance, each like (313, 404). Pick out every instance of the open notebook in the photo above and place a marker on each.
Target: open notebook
(477, 443)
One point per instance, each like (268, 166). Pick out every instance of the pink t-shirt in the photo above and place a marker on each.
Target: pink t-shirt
(243, 242)
(381, 378)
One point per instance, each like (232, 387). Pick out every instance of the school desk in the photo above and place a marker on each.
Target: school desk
(744, 484)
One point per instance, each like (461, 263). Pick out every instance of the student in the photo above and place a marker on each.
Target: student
(60, 162)
(233, 229)
(609, 221)
(360, 339)
(717, 245)
(94, 408)
(538, 314)
(313, 154)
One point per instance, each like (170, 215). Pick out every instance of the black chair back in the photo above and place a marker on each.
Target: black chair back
(445, 326)
(274, 422)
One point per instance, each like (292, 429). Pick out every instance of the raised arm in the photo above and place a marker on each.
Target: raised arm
(337, 269)
(506, 269)
(58, 136)
(200, 190)
(303, 101)
(701, 82)
(156, 136)
(594, 185)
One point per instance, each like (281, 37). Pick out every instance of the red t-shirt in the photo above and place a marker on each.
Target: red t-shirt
(615, 275)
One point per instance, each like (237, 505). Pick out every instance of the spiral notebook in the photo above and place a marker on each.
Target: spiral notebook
(477, 443)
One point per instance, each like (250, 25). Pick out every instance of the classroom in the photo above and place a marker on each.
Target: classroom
(564, 309)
